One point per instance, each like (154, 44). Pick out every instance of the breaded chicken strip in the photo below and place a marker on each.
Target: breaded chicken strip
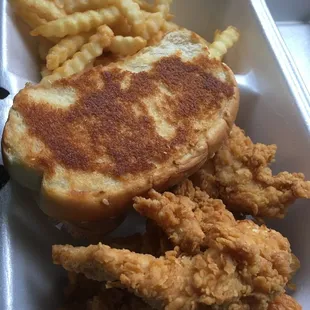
(175, 215)
(242, 259)
(284, 302)
(194, 221)
(173, 282)
(184, 217)
(86, 294)
(281, 302)
(239, 175)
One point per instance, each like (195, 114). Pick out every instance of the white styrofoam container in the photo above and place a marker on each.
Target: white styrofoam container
(293, 21)
(274, 109)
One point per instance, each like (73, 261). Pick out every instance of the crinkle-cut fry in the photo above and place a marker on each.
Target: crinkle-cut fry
(78, 22)
(144, 5)
(151, 26)
(72, 6)
(43, 8)
(127, 45)
(67, 47)
(132, 12)
(128, 8)
(44, 47)
(223, 41)
(30, 18)
(89, 52)
(44, 71)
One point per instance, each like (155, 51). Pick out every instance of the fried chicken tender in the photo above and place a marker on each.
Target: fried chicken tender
(242, 259)
(239, 175)
(265, 253)
(85, 294)
(175, 216)
(281, 302)
(194, 221)
(184, 217)
(172, 281)
(284, 302)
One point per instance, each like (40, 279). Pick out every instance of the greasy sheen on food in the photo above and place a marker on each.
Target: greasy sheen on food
(91, 142)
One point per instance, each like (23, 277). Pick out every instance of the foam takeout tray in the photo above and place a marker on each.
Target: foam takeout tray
(293, 21)
(274, 109)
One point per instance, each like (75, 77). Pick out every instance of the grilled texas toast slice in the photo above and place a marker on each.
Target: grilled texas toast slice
(91, 142)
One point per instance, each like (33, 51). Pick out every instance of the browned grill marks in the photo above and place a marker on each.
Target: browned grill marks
(102, 133)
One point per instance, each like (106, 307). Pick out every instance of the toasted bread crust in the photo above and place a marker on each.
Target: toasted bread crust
(77, 206)
(128, 130)
(104, 122)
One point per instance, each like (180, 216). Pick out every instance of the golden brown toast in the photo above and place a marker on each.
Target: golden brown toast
(93, 141)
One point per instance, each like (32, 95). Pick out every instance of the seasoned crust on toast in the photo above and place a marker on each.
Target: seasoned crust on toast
(93, 141)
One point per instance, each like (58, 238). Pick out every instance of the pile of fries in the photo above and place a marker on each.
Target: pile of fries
(78, 34)
(75, 35)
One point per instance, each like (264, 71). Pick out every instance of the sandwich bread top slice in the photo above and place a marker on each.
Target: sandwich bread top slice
(91, 142)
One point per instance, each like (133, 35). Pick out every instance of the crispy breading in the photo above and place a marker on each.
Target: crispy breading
(175, 215)
(284, 302)
(281, 302)
(198, 221)
(85, 294)
(173, 281)
(239, 175)
(244, 240)
(170, 281)
(208, 211)
(243, 260)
